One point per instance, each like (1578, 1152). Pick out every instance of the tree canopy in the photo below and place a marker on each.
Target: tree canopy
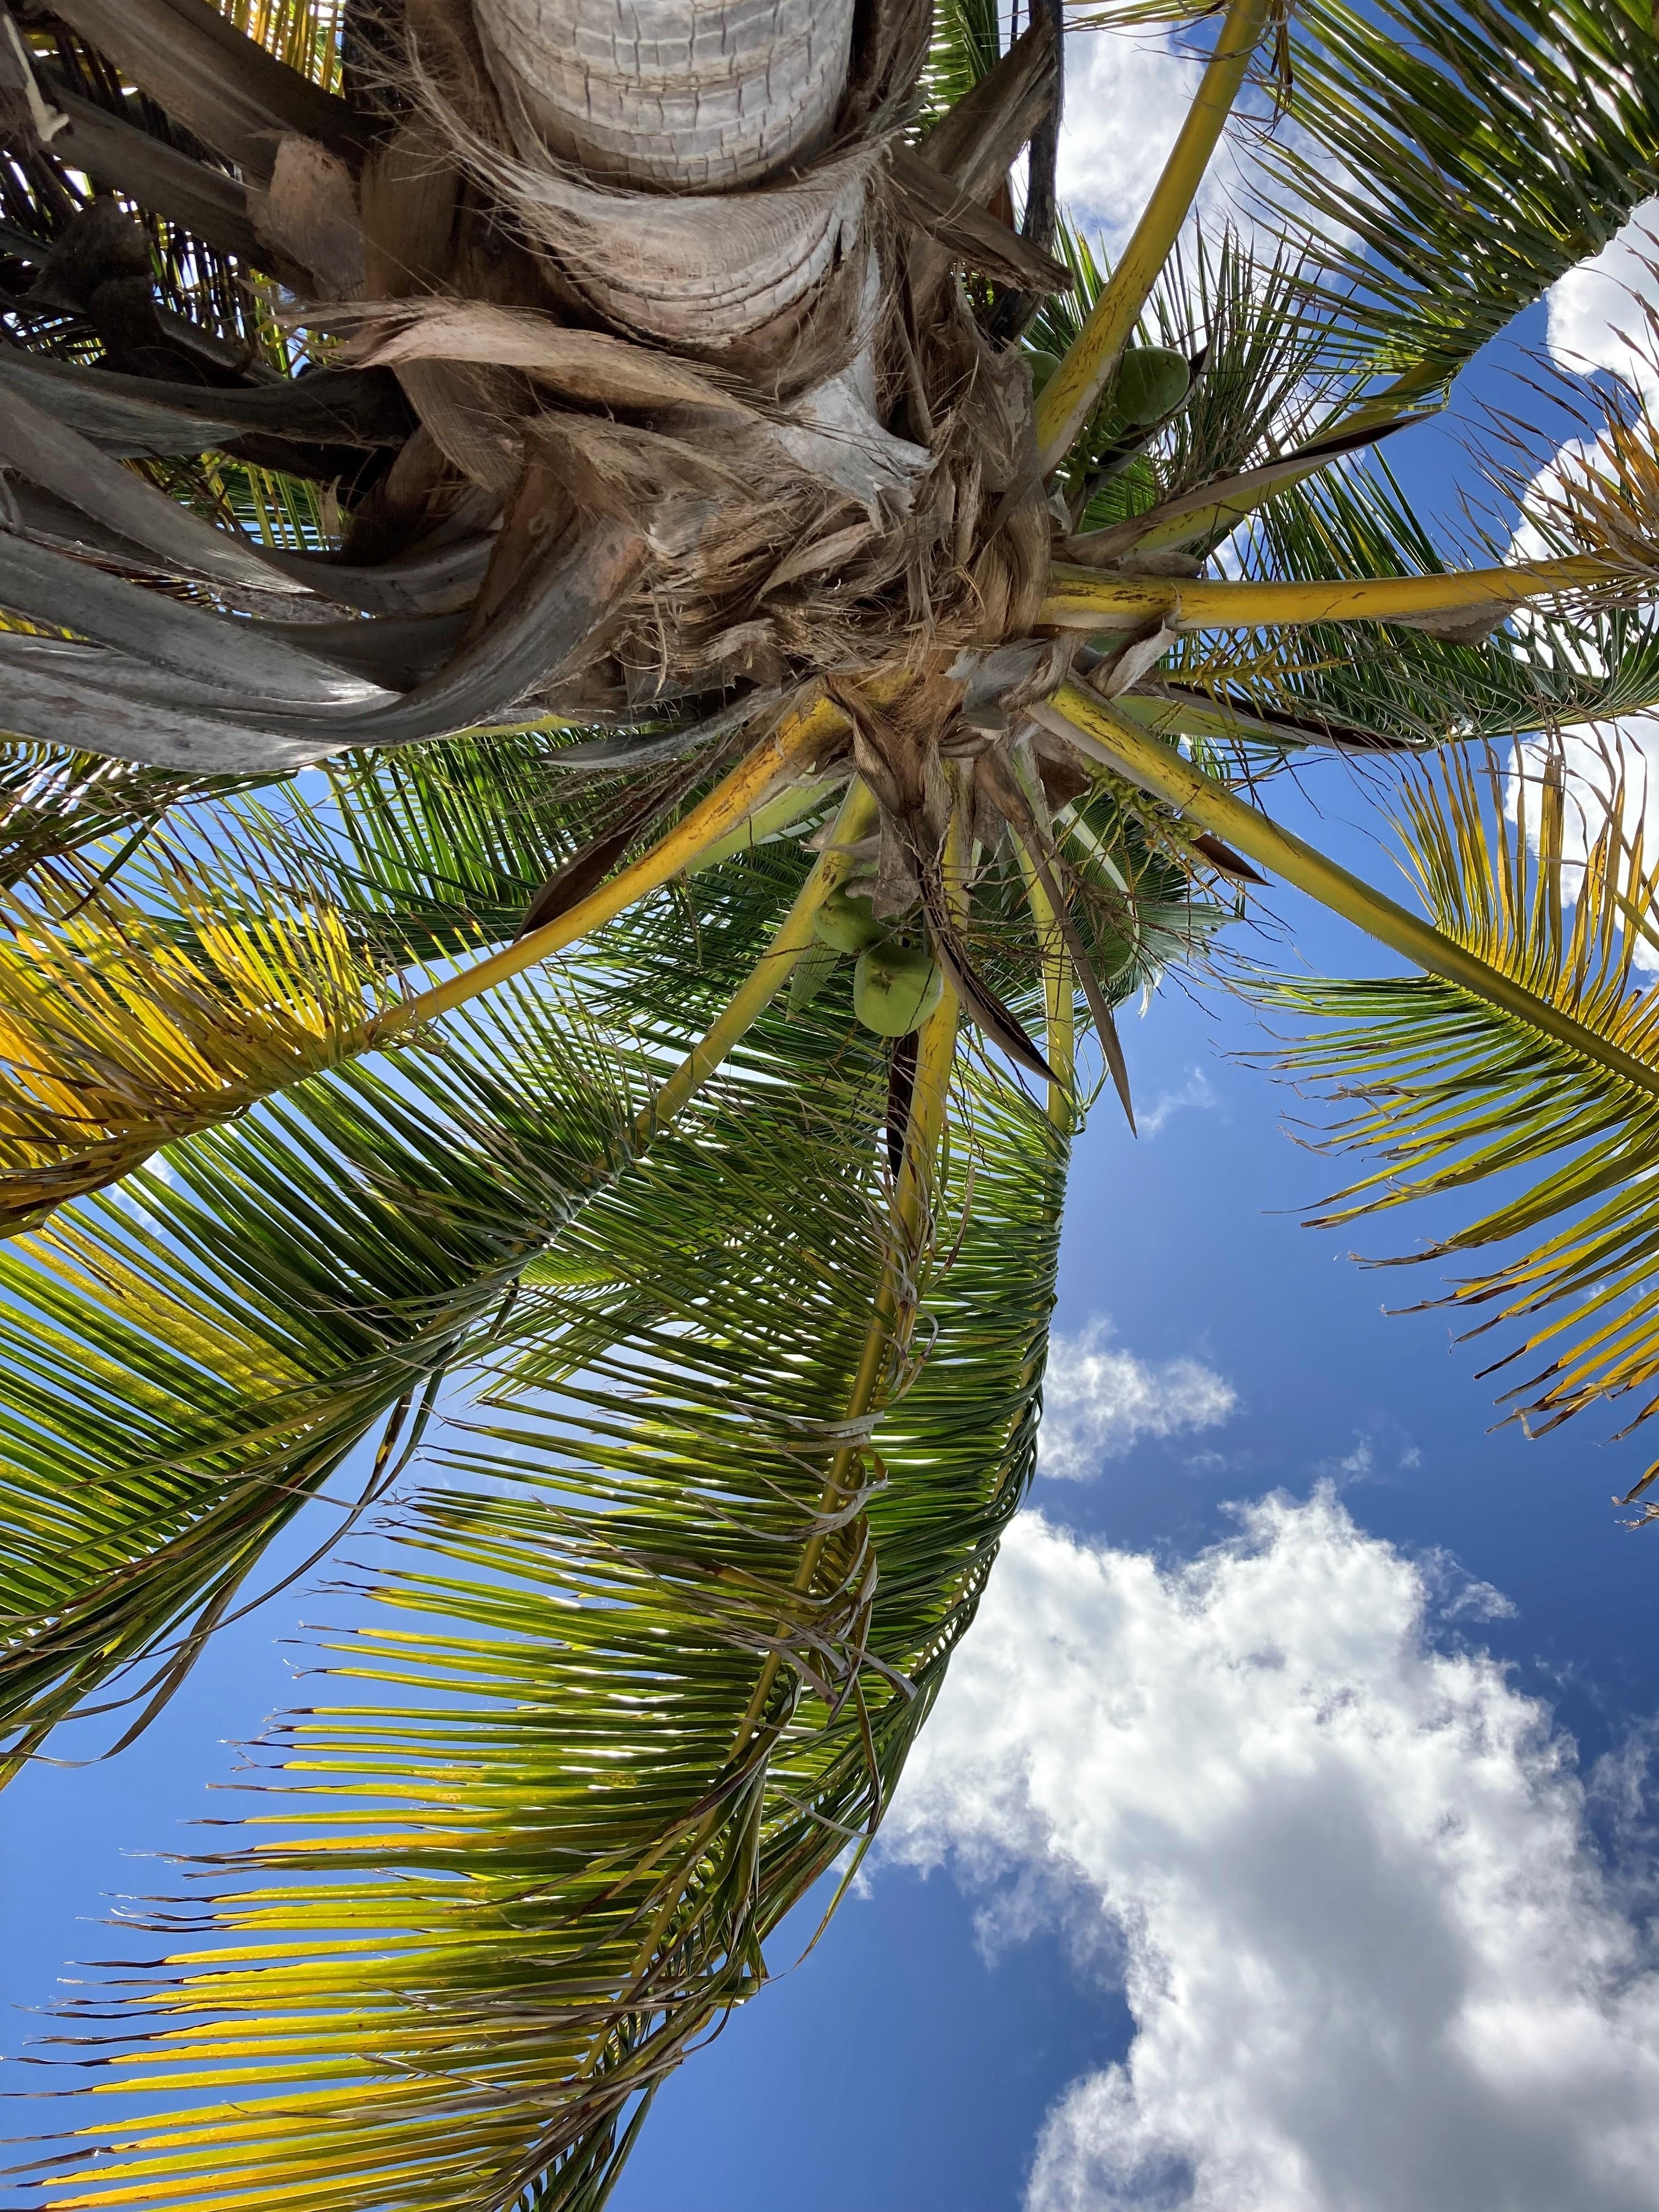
(611, 674)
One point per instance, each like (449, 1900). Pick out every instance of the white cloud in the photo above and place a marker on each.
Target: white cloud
(1106, 170)
(1595, 318)
(1098, 1401)
(1373, 1961)
(1127, 95)
(1481, 1601)
(1596, 761)
(1371, 1459)
(1196, 1091)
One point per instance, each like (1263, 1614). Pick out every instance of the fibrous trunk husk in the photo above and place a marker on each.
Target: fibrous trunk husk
(620, 317)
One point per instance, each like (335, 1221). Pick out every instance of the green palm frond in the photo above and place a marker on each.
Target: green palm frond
(183, 1364)
(170, 956)
(967, 44)
(1476, 152)
(1448, 1090)
(288, 512)
(611, 1729)
(54, 803)
(1269, 383)
(1062, 314)
(440, 848)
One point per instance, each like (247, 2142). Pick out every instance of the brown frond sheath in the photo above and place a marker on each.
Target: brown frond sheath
(687, 369)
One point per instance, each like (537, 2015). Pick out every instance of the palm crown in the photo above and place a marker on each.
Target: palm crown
(612, 673)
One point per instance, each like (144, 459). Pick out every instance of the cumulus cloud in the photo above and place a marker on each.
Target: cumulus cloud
(1620, 758)
(1108, 163)
(1595, 318)
(1481, 1601)
(1617, 758)
(1098, 1401)
(1374, 1960)
(1127, 95)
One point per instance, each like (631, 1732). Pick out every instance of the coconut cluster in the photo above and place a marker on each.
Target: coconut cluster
(897, 981)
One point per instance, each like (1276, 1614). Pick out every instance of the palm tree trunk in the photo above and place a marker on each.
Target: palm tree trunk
(843, 477)
(707, 97)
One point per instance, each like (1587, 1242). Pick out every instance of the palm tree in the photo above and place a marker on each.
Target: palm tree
(507, 532)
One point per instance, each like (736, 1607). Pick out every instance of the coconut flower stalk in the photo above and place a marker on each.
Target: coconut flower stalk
(614, 662)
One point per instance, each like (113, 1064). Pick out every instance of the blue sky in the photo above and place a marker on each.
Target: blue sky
(1283, 1839)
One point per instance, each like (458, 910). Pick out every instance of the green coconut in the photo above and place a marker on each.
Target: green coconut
(1041, 365)
(1152, 383)
(847, 921)
(896, 987)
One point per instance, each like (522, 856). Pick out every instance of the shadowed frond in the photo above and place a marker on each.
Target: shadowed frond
(633, 1690)
(184, 1364)
(262, 955)
(1476, 152)
(442, 849)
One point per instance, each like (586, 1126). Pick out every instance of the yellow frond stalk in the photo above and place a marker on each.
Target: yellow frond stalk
(750, 782)
(1110, 738)
(793, 936)
(1076, 387)
(1081, 599)
(1058, 998)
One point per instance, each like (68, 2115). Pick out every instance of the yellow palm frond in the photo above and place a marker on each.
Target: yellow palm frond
(127, 1022)
(1449, 1088)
